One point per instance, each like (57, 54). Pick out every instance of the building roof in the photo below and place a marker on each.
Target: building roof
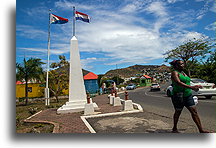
(19, 82)
(90, 76)
(147, 77)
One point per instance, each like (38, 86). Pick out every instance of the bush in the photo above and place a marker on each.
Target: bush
(21, 99)
(38, 125)
(32, 111)
(34, 130)
(18, 121)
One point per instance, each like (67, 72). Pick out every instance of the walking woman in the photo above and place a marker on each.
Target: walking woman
(182, 95)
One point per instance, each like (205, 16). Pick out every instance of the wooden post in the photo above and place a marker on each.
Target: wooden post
(111, 91)
(115, 93)
(126, 95)
(88, 98)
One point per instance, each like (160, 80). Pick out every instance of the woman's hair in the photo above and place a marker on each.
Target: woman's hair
(174, 63)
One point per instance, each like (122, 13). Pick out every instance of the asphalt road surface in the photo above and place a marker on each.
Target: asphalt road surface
(157, 102)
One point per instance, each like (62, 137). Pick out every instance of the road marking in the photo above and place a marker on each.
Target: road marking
(207, 101)
(154, 95)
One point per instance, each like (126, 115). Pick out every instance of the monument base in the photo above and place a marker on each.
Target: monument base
(74, 106)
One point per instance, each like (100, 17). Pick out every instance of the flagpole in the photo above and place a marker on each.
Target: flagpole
(74, 20)
(48, 57)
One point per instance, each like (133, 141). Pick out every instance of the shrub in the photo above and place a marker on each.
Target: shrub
(32, 110)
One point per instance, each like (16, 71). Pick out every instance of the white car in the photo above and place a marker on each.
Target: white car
(155, 86)
(208, 89)
(131, 86)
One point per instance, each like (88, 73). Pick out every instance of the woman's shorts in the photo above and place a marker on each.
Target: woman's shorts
(179, 101)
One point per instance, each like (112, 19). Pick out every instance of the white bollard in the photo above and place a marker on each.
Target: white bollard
(89, 109)
(91, 100)
(109, 96)
(128, 105)
(116, 101)
(111, 99)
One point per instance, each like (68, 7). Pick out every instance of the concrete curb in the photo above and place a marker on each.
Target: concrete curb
(56, 125)
(84, 118)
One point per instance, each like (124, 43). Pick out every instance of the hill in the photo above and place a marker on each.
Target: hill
(137, 70)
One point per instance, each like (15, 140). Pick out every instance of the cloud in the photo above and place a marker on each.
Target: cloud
(202, 12)
(211, 27)
(171, 1)
(44, 50)
(134, 7)
(88, 63)
(30, 32)
(37, 11)
(68, 5)
(213, 8)
(157, 8)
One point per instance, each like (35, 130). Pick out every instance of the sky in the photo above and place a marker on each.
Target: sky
(121, 33)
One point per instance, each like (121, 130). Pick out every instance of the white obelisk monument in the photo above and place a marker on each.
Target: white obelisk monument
(77, 92)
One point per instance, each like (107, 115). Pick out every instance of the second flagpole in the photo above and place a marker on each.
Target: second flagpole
(47, 101)
(74, 18)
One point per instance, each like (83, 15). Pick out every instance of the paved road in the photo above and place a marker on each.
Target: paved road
(158, 103)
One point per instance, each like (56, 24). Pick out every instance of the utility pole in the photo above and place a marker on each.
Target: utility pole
(117, 74)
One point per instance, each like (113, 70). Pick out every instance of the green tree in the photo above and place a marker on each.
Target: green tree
(117, 80)
(29, 70)
(59, 77)
(207, 69)
(135, 81)
(189, 52)
(100, 80)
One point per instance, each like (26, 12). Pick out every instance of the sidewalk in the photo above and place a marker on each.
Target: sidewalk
(72, 123)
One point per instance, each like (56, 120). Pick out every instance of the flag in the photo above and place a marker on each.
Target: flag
(54, 19)
(82, 16)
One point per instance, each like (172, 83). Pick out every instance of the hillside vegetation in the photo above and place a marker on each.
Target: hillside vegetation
(136, 70)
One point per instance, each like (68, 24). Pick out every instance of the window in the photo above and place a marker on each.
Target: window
(29, 89)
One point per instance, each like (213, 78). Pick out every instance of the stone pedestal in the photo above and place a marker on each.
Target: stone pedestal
(128, 105)
(116, 101)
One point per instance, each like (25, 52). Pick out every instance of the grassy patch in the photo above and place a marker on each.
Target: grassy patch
(24, 111)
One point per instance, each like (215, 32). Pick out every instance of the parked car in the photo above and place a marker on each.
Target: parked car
(155, 86)
(131, 86)
(208, 89)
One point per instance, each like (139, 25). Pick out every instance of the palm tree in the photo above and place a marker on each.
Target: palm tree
(29, 70)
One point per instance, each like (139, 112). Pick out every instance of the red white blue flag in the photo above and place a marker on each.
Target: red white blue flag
(82, 16)
(54, 19)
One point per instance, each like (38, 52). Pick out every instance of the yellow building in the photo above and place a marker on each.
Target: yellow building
(34, 90)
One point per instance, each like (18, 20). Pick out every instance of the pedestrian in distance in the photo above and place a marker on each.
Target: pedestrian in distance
(182, 95)
(103, 88)
(114, 87)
